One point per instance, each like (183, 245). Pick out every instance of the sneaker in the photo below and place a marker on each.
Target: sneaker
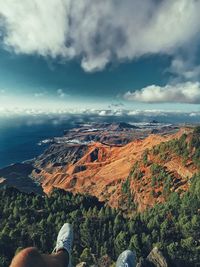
(126, 259)
(65, 240)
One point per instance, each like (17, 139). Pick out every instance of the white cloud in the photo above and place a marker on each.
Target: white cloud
(98, 32)
(193, 114)
(39, 94)
(61, 93)
(184, 69)
(110, 112)
(138, 117)
(188, 92)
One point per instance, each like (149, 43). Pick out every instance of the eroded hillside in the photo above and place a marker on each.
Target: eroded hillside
(136, 175)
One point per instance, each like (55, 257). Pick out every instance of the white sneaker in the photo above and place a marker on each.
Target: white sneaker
(126, 259)
(65, 240)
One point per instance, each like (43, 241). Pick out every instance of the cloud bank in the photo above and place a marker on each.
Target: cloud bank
(37, 117)
(98, 32)
(188, 92)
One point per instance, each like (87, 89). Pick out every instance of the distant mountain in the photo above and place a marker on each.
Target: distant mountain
(120, 126)
(113, 133)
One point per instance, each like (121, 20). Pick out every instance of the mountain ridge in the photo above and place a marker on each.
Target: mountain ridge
(101, 170)
(106, 170)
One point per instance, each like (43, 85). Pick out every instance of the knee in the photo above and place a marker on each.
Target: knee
(28, 257)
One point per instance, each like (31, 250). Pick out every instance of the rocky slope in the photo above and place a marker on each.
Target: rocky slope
(132, 176)
(110, 133)
(17, 175)
(121, 176)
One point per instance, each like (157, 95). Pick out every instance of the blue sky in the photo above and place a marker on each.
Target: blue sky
(63, 54)
(27, 75)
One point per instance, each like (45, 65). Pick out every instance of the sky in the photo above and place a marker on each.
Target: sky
(60, 55)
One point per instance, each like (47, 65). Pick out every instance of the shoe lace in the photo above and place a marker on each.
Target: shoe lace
(63, 242)
(124, 262)
(66, 242)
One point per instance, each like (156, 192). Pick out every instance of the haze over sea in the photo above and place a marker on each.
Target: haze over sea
(19, 135)
(19, 138)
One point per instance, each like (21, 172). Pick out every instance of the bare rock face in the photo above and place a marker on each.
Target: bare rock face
(112, 173)
(101, 170)
(156, 257)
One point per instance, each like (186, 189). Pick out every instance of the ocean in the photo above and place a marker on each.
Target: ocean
(20, 135)
(19, 138)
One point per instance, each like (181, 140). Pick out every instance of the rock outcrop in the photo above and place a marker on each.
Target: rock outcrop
(156, 258)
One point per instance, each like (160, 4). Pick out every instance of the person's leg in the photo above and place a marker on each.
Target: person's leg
(60, 259)
(30, 257)
(126, 259)
(64, 242)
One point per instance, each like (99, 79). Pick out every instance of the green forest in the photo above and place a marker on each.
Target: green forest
(34, 220)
